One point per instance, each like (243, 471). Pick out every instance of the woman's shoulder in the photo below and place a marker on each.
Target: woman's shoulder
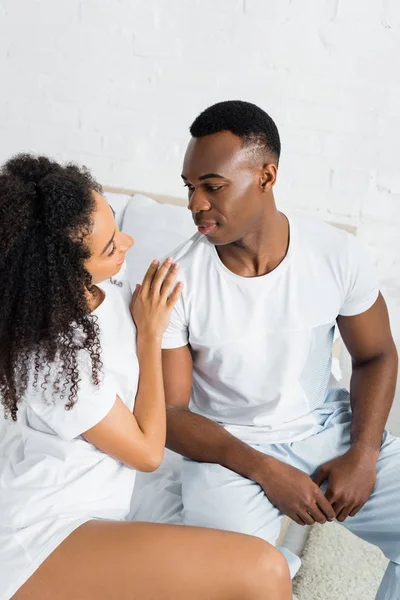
(118, 285)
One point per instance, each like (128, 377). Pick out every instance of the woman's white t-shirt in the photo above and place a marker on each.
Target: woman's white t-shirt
(47, 469)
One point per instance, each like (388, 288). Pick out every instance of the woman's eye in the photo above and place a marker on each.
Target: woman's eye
(113, 249)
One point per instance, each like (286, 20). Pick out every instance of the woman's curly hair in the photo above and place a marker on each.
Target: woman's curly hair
(45, 216)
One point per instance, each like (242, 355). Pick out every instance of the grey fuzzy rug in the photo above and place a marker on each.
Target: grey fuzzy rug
(336, 565)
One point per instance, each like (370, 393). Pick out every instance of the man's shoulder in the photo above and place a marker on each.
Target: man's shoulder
(329, 242)
(187, 252)
(315, 232)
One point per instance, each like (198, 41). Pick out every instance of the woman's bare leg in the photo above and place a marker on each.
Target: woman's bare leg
(107, 560)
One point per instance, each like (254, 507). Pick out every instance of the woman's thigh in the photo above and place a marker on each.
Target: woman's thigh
(107, 560)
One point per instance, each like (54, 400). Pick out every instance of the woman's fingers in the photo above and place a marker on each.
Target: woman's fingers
(149, 277)
(160, 276)
(175, 295)
(168, 282)
(135, 295)
(158, 282)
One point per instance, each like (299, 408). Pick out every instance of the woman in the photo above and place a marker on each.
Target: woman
(88, 387)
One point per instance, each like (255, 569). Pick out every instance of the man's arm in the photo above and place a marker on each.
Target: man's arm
(374, 359)
(352, 476)
(203, 440)
(194, 436)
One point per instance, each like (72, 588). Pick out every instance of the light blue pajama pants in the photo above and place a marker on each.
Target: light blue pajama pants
(214, 496)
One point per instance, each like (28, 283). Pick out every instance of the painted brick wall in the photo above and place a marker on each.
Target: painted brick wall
(116, 83)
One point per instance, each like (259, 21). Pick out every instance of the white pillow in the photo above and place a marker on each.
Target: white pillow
(119, 203)
(157, 230)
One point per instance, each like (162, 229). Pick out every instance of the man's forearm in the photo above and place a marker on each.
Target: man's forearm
(202, 440)
(372, 390)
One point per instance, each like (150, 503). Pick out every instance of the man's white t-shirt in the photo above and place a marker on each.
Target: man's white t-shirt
(47, 469)
(262, 346)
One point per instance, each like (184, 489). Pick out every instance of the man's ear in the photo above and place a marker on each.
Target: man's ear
(269, 174)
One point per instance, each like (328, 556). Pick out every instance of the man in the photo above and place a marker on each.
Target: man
(247, 355)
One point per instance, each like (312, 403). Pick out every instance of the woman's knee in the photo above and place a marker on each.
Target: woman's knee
(267, 572)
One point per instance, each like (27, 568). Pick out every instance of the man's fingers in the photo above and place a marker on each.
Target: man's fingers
(329, 513)
(338, 506)
(320, 476)
(344, 513)
(329, 495)
(297, 519)
(326, 507)
(317, 514)
(307, 518)
(354, 511)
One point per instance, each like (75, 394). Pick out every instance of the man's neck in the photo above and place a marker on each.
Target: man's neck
(261, 251)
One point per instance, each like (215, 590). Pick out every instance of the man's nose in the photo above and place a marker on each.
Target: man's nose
(198, 202)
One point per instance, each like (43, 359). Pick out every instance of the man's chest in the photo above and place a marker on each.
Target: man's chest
(281, 314)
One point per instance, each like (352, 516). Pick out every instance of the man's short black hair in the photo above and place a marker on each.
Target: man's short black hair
(245, 120)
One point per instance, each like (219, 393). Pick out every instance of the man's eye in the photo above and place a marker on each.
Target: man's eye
(213, 188)
(188, 186)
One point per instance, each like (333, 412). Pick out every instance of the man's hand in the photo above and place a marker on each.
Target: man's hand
(351, 480)
(294, 493)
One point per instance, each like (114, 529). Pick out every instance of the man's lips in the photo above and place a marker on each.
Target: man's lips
(206, 228)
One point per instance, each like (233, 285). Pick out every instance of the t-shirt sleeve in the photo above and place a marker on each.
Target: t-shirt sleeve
(177, 332)
(360, 280)
(93, 402)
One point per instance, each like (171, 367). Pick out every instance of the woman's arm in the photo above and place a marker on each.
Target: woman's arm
(138, 439)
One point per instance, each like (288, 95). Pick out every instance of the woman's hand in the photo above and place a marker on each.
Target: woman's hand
(153, 301)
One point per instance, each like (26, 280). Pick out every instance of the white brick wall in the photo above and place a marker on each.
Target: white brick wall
(116, 83)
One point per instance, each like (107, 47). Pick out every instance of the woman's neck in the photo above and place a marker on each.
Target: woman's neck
(94, 297)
